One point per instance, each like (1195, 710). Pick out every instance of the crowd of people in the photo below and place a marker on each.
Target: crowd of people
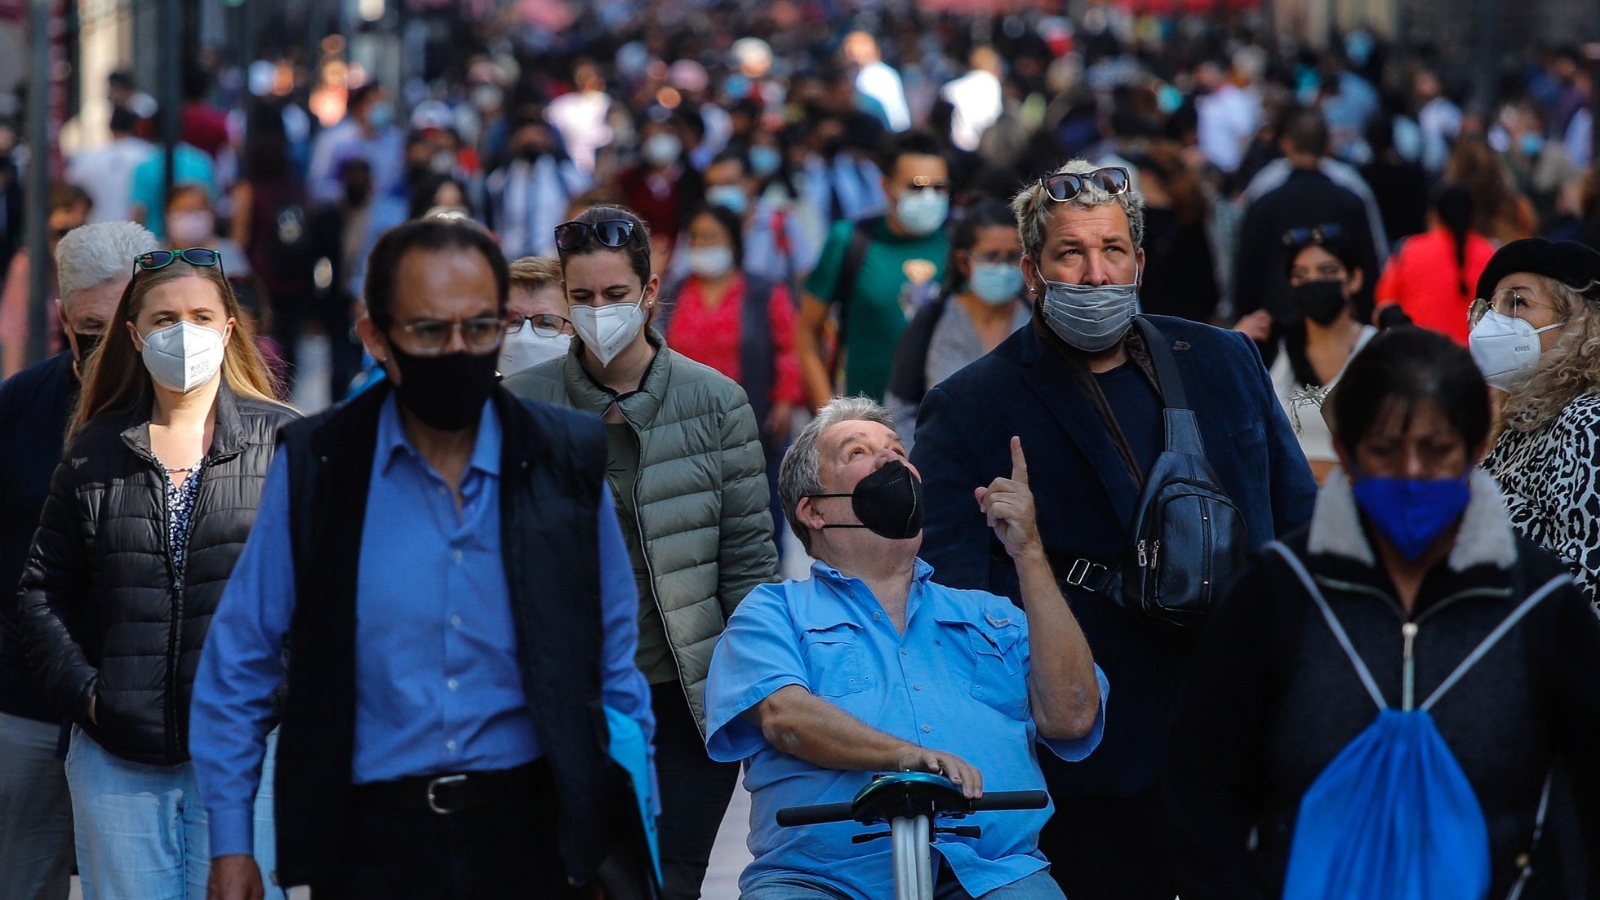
(492, 399)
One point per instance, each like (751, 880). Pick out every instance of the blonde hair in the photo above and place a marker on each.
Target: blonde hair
(115, 379)
(534, 273)
(1566, 371)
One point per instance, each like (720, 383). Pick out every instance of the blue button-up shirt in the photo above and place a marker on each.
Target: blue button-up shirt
(956, 680)
(438, 687)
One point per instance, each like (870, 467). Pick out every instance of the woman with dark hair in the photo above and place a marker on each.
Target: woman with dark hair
(740, 324)
(1536, 335)
(1324, 275)
(438, 192)
(1180, 277)
(169, 446)
(982, 307)
(1498, 211)
(1280, 780)
(685, 467)
(1431, 276)
(272, 223)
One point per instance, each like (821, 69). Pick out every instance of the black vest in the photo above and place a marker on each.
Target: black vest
(551, 473)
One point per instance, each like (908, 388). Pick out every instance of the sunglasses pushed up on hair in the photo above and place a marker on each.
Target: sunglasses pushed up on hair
(1063, 187)
(1314, 236)
(613, 233)
(156, 260)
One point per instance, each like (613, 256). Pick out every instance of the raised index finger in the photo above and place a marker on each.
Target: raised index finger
(1019, 465)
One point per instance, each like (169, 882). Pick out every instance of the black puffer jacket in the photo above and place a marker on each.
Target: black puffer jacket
(100, 616)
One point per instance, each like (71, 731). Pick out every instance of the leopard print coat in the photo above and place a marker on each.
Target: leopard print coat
(1551, 482)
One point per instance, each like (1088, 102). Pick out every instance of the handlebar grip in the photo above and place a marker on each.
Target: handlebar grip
(997, 800)
(815, 815)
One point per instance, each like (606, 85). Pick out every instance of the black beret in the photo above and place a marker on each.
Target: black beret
(1569, 262)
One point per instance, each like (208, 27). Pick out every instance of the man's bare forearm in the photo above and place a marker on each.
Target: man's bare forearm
(810, 728)
(1062, 684)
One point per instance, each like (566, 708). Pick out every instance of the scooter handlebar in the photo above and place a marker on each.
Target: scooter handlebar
(816, 815)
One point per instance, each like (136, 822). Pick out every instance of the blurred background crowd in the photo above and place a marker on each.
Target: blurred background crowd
(303, 138)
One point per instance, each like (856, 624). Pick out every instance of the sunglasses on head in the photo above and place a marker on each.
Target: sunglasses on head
(613, 233)
(160, 259)
(1065, 186)
(1316, 235)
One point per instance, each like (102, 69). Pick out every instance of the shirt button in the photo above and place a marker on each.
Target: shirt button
(452, 684)
(877, 616)
(916, 687)
(455, 621)
(927, 729)
(456, 556)
(904, 652)
(450, 745)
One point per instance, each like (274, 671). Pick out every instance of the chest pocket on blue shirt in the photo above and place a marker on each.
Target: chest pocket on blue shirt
(998, 676)
(833, 661)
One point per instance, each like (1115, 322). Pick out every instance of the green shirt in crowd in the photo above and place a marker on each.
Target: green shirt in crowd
(875, 316)
(654, 657)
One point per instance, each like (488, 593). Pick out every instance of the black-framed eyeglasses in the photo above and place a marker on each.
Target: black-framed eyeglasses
(1065, 186)
(156, 260)
(545, 325)
(613, 233)
(1314, 236)
(430, 337)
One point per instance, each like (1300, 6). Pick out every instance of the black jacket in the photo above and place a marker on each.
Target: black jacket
(100, 615)
(1271, 699)
(34, 407)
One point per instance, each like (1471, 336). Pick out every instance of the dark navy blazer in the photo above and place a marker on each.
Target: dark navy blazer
(1027, 388)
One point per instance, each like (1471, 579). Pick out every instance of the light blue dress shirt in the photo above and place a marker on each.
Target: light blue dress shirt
(957, 681)
(438, 686)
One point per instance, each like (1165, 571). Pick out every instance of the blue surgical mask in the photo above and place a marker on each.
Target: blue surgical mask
(765, 160)
(728, 196)
(922, 212)
(1532, 145)
(1088, 317)
(380, 115)
(996, 283)
(1413, 512)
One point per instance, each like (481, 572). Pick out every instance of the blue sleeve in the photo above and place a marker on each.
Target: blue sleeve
(240, 667)
(623, 686)
(757, 654)
(955, 533)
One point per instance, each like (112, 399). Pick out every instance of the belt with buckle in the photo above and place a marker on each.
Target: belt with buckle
(451, 793)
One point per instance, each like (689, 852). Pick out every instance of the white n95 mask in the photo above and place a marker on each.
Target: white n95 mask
(183, 356)
(525, 348)
(1505, 348)
(608, 329)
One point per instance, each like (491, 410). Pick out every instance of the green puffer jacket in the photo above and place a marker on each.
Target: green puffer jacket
(701, 494)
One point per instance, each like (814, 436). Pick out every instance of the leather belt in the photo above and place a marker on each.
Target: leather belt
(454, 792)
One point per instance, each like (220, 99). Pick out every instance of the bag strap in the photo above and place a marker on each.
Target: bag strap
(1172, 393)
(1538, 832)
(1332, 620)
(855, 255)
(1494, 637)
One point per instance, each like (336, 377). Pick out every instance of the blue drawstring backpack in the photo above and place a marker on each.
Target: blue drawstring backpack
(1393, 817)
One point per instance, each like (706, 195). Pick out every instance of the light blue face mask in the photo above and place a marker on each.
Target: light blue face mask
(996, 283)
(728, 196)
(765, 160)
(922, 212)
(1088, 317)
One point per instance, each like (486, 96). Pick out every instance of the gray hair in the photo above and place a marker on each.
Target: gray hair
(1033, 207)
(800, 474)
(92, 255)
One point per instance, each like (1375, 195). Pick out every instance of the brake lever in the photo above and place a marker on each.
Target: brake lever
(863, 838)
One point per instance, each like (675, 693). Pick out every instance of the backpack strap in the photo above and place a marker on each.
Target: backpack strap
(1494, 637)
(1332, 620)
(1172, 393)
(855, 255)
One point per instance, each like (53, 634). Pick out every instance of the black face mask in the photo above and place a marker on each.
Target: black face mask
(86, 344)
(445, 392)
(1320, 301)
(357, 194)
(888, 502)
